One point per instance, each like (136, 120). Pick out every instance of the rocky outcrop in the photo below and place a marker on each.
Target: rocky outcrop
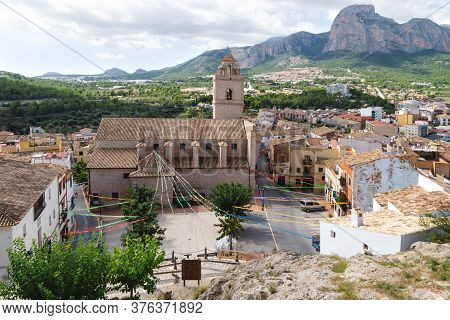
(358, 28)
(300, 43)
(421, 273)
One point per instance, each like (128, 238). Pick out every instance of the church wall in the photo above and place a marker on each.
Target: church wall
(203, 180)
(164, 192)
(106, 181)
(214, 152)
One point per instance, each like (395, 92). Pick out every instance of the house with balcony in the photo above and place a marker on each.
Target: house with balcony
(30, 202)
(300, 162)
(353, 180)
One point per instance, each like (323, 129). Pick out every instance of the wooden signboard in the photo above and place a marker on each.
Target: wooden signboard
(191, 270)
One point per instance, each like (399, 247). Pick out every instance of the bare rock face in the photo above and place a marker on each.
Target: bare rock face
(300, 43)
(420, 273)
(358, 28)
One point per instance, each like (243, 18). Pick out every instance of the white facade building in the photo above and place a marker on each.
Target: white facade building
(375, 112)
(63, 159)
(338, 88)
(414, 130)
(360, 176)
(444, 120)
(412, 106)
(393, 225)
(29, 205)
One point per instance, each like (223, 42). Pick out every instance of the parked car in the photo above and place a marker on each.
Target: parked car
(311, 205)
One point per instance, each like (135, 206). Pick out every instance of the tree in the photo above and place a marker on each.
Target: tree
(438, 224)
(80, 172)
(132, 266)
(231, 201)
(141, 205)
(57, 271)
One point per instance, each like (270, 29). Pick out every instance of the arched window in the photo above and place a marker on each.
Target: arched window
(229, 94)
(230, 69)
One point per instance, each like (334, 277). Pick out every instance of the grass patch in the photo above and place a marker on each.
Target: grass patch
(340, 266)
(392, 290)
(272, 288)
(441, 269)
(227, 295)
(347, 291)
(274, 274)
(198, 291)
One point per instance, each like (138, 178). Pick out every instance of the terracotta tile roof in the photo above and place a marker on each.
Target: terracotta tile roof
(414, 200)
(279, 141)
(383, 198)
(322, 131)
(317, 142)
(114, 129)
(364, 157)
(380, 123)
(21, 185)
(105, 158)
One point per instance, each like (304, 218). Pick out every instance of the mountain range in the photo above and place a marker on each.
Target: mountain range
(357, 29)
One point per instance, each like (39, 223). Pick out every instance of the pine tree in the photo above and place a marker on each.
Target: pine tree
(142, 206)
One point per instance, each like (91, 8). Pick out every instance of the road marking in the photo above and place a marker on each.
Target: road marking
(270, 226)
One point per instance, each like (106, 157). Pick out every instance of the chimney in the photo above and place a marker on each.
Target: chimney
(195, 149)
(168, 151)
(141, 146)
(357, 219)
(223, 154)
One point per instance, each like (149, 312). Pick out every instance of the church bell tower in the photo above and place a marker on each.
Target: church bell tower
(228, 90)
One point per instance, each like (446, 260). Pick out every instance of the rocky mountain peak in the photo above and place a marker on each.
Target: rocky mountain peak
(358, 28)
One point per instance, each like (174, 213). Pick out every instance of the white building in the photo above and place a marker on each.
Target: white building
(412, 106)
(63, 159)
(30, 199)
(266, 118)
(393, 226)
(360, 144)
(444, 119)
(414, 130)
(338, 88)
(358, 177)
(375, 112)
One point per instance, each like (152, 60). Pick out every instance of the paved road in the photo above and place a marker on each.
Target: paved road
(288, 227)
(82, 222)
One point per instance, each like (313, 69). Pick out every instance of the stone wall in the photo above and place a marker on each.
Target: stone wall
(106, 181)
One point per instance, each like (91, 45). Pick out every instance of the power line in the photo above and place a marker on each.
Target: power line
(54, 37)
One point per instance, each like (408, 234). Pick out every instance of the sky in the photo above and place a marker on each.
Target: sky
(153, 34)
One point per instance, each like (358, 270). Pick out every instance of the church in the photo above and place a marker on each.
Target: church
(204, 152)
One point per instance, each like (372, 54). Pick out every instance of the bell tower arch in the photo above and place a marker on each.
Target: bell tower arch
(228, 90)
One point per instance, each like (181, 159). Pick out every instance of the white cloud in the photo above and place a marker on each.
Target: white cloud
(169, 30)
(109, 56)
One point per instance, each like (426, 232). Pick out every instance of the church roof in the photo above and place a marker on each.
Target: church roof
(116, 129)
(113, 158)
(229, 57)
